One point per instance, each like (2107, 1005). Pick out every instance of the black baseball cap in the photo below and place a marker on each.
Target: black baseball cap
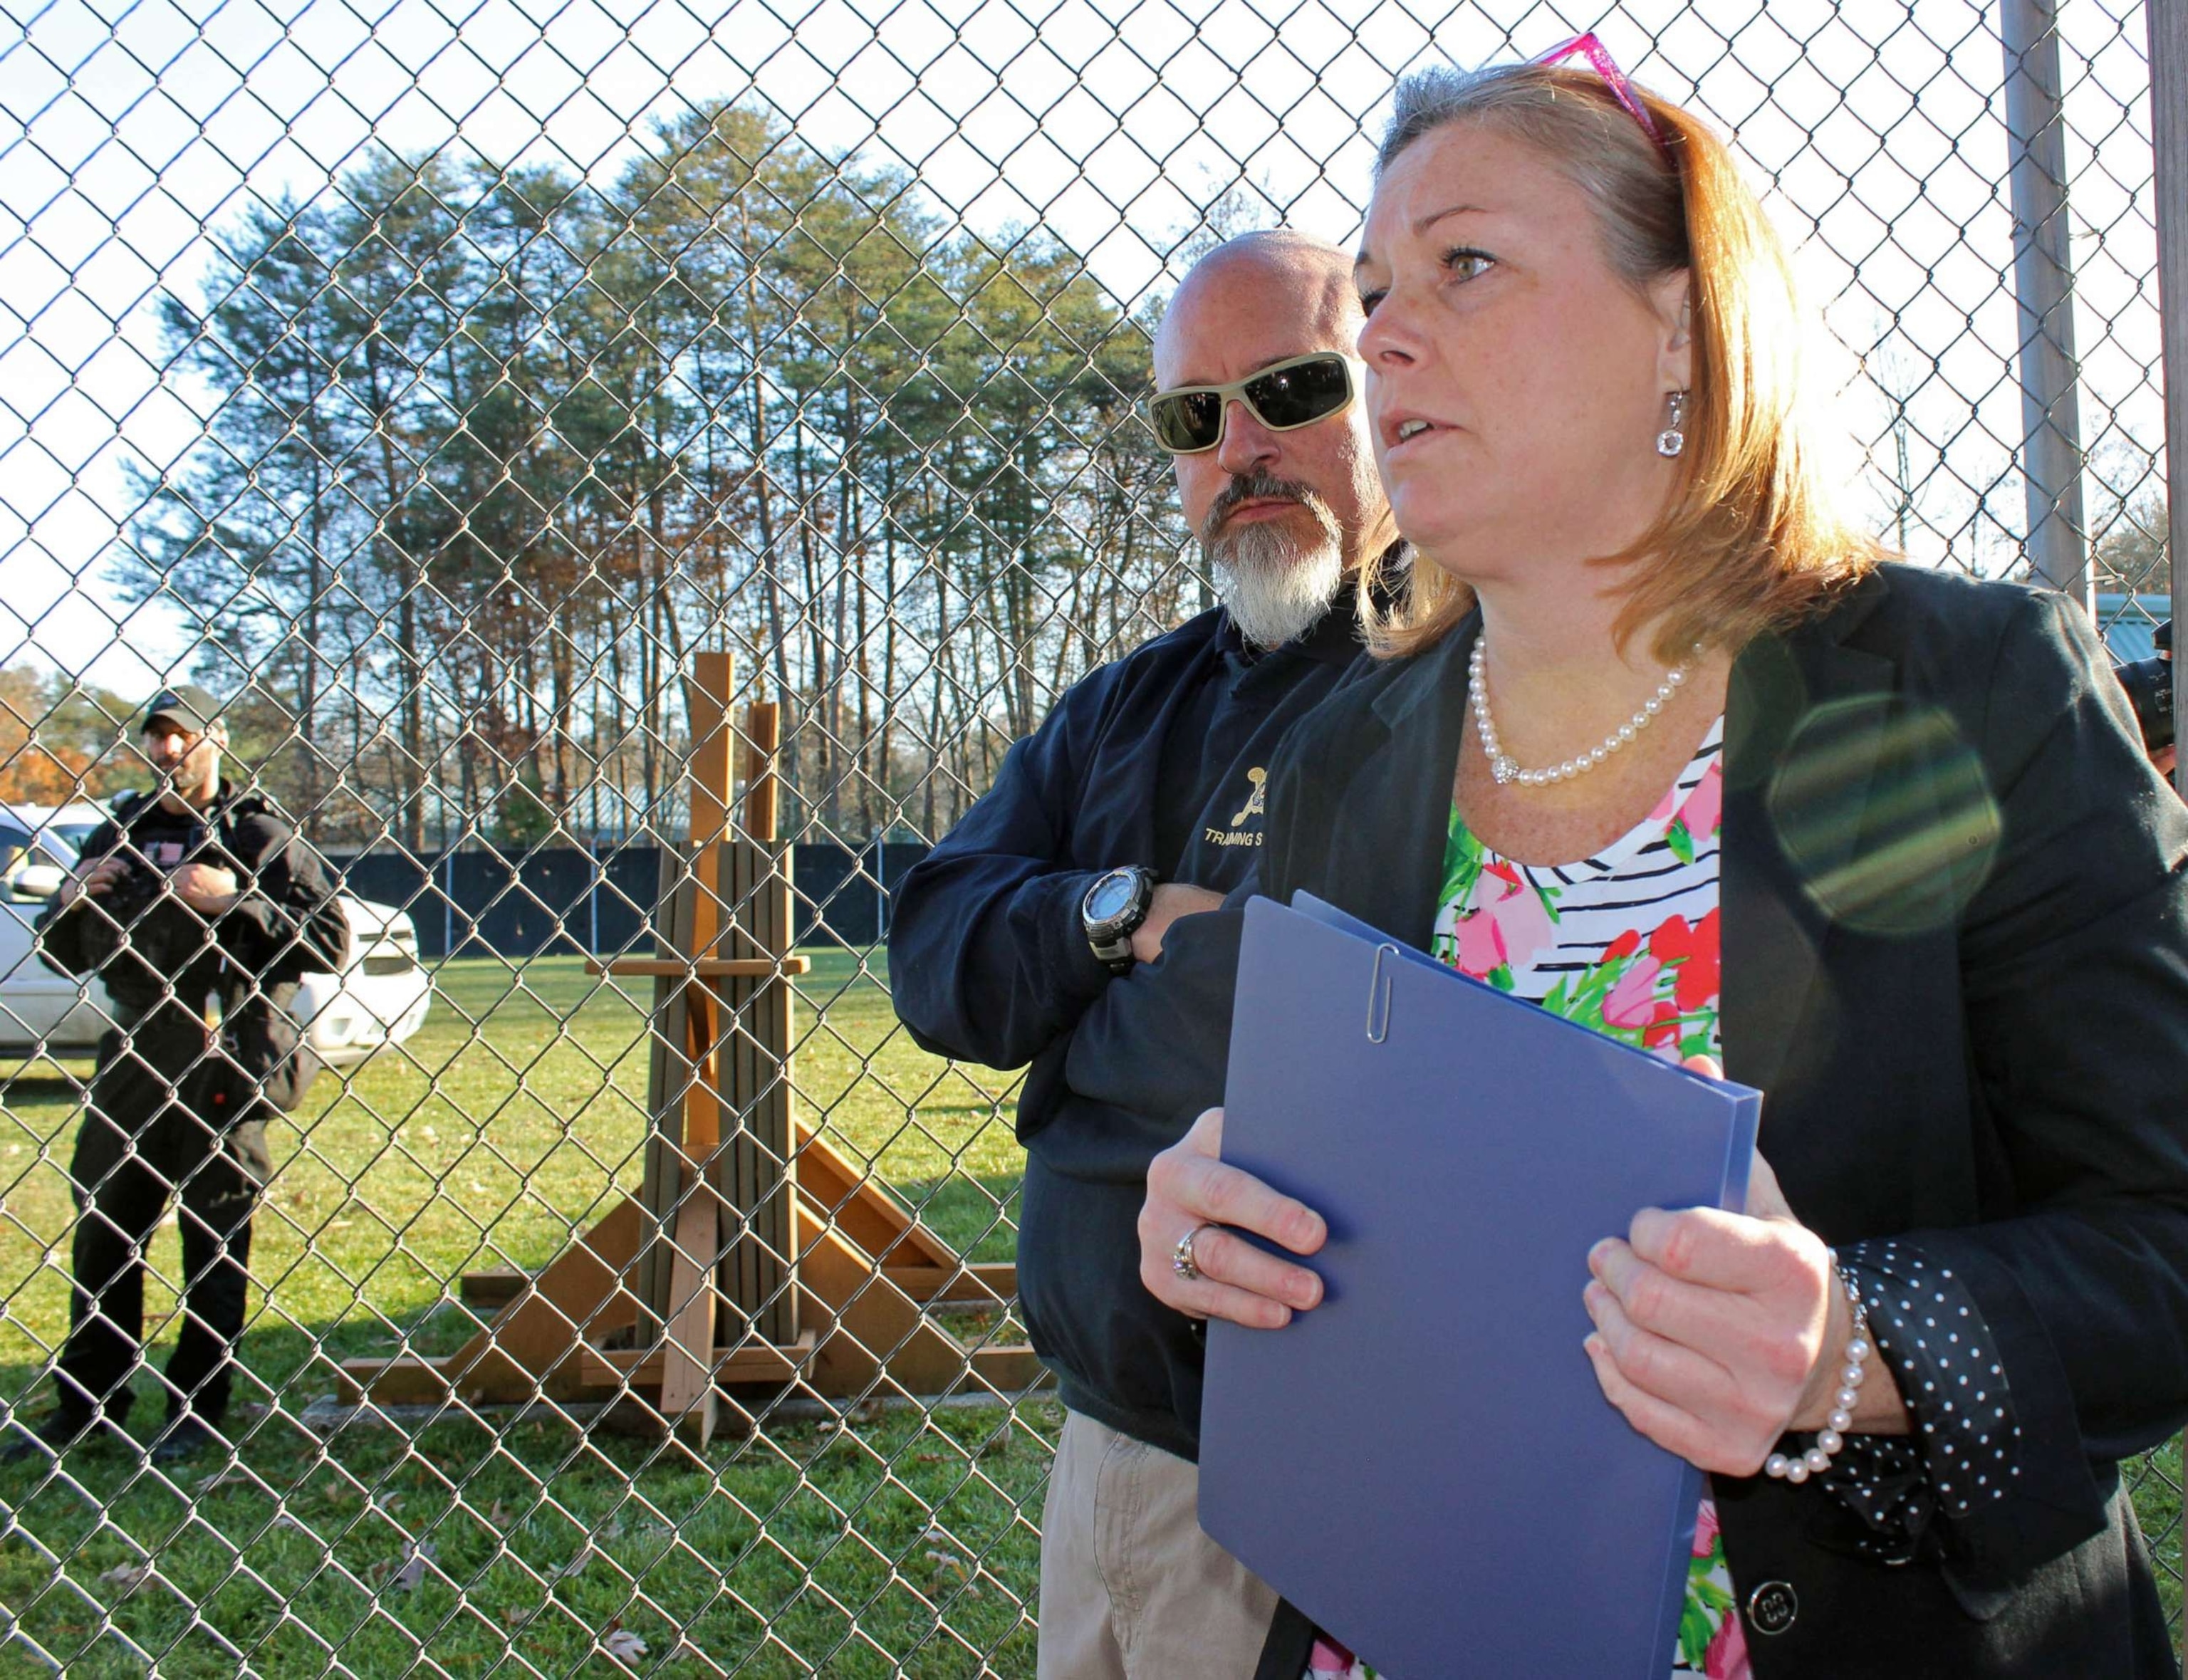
(186, 704)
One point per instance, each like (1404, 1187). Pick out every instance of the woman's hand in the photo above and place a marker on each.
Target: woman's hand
(1188, 1186)
(1715, 1333)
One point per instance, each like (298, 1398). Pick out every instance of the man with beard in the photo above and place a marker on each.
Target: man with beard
(1075, 920)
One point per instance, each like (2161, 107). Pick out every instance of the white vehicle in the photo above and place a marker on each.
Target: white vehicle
(73, 821)
(380, 999)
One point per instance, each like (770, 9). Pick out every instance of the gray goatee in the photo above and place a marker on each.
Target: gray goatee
(1275, 580)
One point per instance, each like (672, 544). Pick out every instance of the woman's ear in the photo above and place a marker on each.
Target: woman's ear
(1671, 295)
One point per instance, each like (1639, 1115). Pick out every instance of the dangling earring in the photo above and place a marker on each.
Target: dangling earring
(1672, 438)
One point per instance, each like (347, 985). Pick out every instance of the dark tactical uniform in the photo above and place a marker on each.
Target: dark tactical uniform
(177, 1104)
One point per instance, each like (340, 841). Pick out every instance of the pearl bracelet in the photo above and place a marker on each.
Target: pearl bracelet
(1799, 1467)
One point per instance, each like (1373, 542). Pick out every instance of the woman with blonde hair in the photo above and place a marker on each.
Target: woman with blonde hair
(1662, 743)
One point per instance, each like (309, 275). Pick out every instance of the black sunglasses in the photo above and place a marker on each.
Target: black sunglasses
(1283, 399)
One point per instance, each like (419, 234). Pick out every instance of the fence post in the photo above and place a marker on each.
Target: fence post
(2168, 126)
(2043, 282)
(2168, 123)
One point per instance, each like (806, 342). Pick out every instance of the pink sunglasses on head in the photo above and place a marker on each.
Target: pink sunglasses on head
(1598, 56)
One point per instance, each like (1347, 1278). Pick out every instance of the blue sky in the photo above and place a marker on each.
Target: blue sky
(130, 132)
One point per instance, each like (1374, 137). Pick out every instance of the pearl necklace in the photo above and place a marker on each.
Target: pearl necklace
(1506, 769)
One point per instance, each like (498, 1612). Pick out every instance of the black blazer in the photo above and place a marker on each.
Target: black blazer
(1955, 933)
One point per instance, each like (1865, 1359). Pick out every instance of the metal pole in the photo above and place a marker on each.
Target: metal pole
(2168, 108)
(2043, 282)
(2168, 22)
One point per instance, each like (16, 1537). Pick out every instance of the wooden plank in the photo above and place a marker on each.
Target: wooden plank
(761, 1096)
(705, 968)
(763, 741)
(688, 1336)
(530, 1348)
(491, 1287)
(872, 1339)
(1009, 1368)
(688, 1340)
(752, 1362)
(986, 1284)
(665, 1076)
(740, 1179)
(707, 786)
(869, 1338)
(835, 1189)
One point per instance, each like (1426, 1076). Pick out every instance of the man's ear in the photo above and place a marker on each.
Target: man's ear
(1671, 297)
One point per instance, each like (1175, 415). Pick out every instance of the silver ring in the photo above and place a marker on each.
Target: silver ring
(1181, 1257)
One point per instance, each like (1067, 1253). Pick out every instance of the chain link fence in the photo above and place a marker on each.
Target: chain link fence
(449, 382)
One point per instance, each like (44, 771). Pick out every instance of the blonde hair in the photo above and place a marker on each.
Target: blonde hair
(1754, 538)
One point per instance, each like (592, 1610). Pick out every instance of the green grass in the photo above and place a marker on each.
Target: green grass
(899, 1543)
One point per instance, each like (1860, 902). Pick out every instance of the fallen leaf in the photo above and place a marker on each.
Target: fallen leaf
(123, 1577)
(498, 1516)
(623, 1645)
(578, 1565)
(415, 1558)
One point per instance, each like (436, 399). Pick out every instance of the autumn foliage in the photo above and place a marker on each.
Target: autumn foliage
(56, 739)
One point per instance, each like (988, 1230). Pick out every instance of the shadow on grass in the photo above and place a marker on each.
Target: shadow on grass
(45, 1086)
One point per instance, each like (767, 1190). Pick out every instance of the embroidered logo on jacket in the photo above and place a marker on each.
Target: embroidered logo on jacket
(1256, 803)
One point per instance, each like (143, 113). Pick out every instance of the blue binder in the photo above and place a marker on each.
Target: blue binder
(1424, 1464)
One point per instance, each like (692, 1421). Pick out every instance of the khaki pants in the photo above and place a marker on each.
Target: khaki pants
(1131, 1588)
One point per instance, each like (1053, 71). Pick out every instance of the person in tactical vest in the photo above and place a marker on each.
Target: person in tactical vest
(199, 910)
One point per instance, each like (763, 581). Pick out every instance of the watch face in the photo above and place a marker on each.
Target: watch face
(1111, 897)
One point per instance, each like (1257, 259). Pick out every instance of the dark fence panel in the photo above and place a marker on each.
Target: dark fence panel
(563, 900)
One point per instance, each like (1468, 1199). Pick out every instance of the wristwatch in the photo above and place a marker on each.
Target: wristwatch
(1112, 911)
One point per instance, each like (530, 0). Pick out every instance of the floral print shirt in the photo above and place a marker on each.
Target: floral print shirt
(1625, 942)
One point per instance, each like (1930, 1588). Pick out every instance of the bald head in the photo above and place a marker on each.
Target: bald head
(1284, 517)
(1288, 286)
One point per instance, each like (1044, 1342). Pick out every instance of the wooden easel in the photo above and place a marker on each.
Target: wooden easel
(755, 1257)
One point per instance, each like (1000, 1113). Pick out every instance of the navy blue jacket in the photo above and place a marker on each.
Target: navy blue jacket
(989, 962)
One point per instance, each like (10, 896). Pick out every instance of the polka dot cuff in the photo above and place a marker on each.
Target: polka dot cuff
(1962, 1453)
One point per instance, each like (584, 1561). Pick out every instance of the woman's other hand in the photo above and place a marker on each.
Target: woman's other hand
(1189, 1187)
(1715, 1333)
